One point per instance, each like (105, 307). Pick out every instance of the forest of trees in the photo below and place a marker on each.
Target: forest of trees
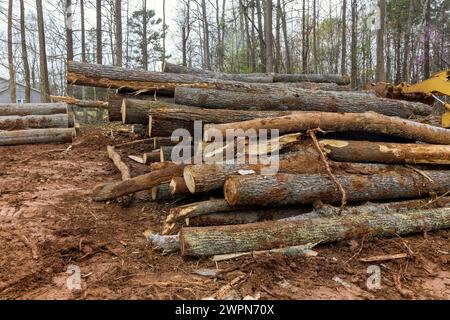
(369, 40)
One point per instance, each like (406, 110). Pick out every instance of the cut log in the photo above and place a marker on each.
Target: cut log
(178, 186)
(140, 129)
(380, 152)
(197, 209)
(202, 178)
(164, 141)
(208, 241)
(320, 78)
(110, 191)
(289, 189)
(325, 101)
(81, 103)
(36, 122)
(114, 105)
(252, 77)
(120, 165)
(161, 192)
(167, 117)
(33, 136)
(27, 109)
(165, 153)
(96, 75)
(150, 157)
(369, 122)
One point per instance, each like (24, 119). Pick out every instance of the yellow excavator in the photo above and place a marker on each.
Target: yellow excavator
(433, 88)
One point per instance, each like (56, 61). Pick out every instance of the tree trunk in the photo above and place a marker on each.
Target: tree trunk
(316, 78)
(43, 69)
(36, 122)
(165, 153)
(427, 35)
(153, 156)
(26, 65)
(109, 191)
(407, 42)
(262, 44)
(286, 40)
(380, 70)
(368, 122)
(344, 39)
(354, 53)
(12, 72)
(118, 162)
(33, 136)
(200, 242)
(206, 36)
(98, 9)
(288, 189)
(380, 152)
(161, 192)
(118, 29)
(178, 186)
(307, 101)
(13, 109)
(268, 35)
(146, 81)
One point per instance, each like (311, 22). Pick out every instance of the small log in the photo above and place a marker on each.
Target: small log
(110, 191)
(288, 189)
(81, 103)
(36, 122)
(178, 186)
(161, 192)
(120, 165)
(155, 166)
(319, 78)
(150, 157)
(164, 141)
(369, 122)
(380, 152)
(324, 101)
(209, 241)
(33, 136)
(27, 109)
(165, 154)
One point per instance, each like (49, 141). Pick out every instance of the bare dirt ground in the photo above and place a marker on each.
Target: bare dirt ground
(48, 222)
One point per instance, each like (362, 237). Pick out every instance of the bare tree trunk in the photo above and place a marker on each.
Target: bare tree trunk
(380, 72)
(407, 43)
(26, 65)
(83, 43)
(44, 84)
(144, 36)
(69, 38)
(206, 36)
(262, 44)
(99, 31)
(269, 36)
(354, 62)
(287, 48)
(12, 72)
(344, 38)
(118, 25)
(304, 40)
(426, 45)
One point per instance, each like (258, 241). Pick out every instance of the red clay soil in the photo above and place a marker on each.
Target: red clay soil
(48, 222)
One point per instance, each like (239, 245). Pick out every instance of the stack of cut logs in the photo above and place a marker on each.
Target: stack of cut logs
(350, 164)
(32, 123)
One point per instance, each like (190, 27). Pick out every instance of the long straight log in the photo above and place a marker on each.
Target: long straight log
(175, 116)
(109, 191)
(202, 178)
(320, 78)
(81, 103)
(36, 122)
(33, 136)
(257, 78)
(208, 241)
(291, 189)
(369, 122)
(325, 101)
(27, 109)
(146, 81)
(380, 152)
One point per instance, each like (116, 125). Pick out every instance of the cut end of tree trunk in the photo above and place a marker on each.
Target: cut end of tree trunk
(189, 179)
(230, 190)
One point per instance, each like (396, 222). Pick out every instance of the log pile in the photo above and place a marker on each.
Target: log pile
(301, 184)
(36, 123)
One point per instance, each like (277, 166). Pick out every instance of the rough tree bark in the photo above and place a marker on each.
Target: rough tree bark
(11, 69)
(341, 80)
(36, 122)
(26, 65)
(208, 241)
(43, 69)
(288, 189)
(381, 152)
(33, 136)
(13, 109)
(368, 122)
(325, 101)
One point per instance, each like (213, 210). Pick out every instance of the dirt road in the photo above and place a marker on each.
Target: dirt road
(49, 228)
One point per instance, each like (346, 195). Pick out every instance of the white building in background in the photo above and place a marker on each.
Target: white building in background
(20, 93)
